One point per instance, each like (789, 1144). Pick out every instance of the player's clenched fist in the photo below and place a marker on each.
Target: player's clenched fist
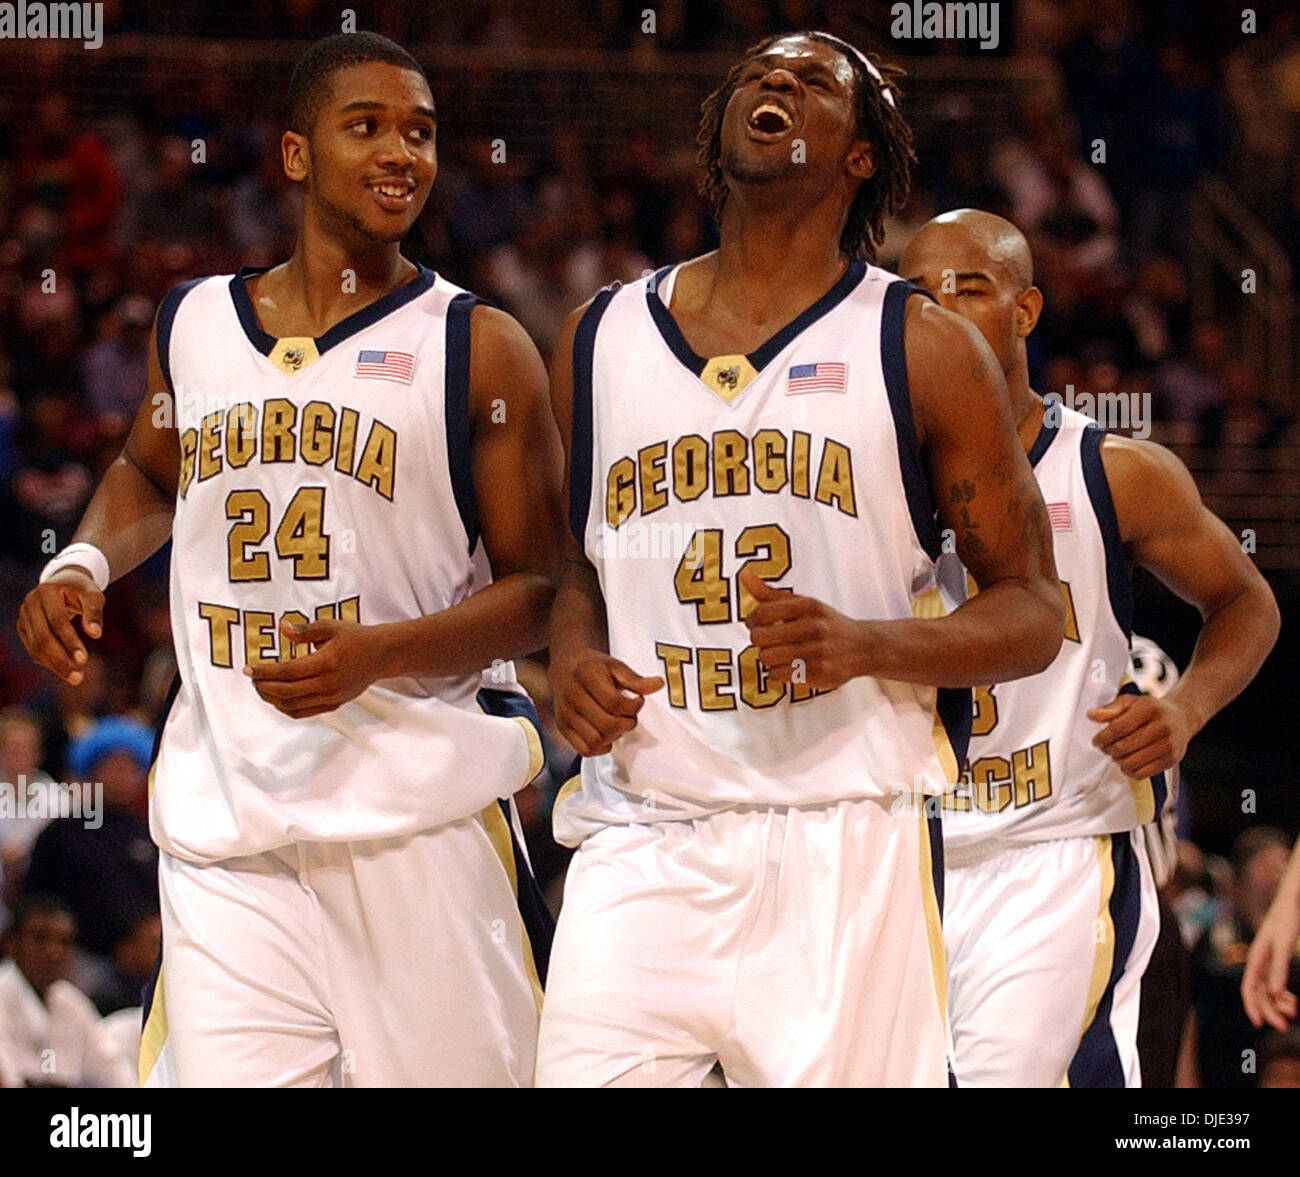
(597, 699)
(1143, 735)
(344, 662)
(801, 639)
(45, 622)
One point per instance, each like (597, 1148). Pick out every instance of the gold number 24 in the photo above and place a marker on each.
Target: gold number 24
(300, 536)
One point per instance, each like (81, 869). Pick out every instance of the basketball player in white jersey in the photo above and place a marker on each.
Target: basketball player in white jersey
(1051, 910)
(757, 441)
(337, 876)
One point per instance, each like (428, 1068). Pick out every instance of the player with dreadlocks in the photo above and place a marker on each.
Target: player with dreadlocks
(758, 443)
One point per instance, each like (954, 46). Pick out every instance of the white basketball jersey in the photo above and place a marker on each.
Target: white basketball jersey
(1033, 772)
(799, 461)
(320, 478)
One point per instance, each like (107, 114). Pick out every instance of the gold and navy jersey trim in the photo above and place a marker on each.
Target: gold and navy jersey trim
(766, 351)
(167, 309)
(153, 1023)
(893, 358)
(536, 916)
(1119, 576)
(359, 320)
(581, 440)
(1047, 433)
(954, 708)
(457, 419)
(153, 1014)
(168, 704)
(1096, 1062)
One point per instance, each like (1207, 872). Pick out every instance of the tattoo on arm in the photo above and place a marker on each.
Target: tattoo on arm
(961, 494)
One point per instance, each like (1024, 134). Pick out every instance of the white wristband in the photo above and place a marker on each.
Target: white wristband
(85, 556)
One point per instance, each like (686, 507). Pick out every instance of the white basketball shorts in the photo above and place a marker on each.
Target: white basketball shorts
(797, 947)
(1047, 943)
(401, 962)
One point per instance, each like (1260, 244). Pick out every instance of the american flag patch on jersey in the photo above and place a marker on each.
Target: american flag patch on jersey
(386, 365)
(1059, 514)
(822, 377)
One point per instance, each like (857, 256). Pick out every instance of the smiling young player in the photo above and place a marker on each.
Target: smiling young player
(337, 876)
(1051, 909)
(757, 440)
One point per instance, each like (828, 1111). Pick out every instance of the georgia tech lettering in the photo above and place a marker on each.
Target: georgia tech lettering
(729, 463)
(320, 436)
(726, 465)
(992, 782)
(231, 439)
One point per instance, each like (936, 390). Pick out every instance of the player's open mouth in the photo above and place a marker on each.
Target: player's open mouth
(393, 195)
(769, 121)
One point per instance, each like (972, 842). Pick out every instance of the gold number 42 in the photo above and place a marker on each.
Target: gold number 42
(699, 580)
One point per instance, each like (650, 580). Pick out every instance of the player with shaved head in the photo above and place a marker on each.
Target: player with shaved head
(1051, 909)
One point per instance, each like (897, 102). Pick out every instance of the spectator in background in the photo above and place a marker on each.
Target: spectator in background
(1180, 133)
(176, 207)
(21, 753)
(1108, 70)
(159, 672)
(69, 174)
(1189, 388)
(50, 1034)
(48, 492)
(68, 712)
(1243, 417)
(209, 118)
(49, 328)
(489, 205)
(1156, 309)
(263, 212)
(115, 367)
(1223, 1048)
(104, 874)
(1062, 204)
(136, 947)
(1191, 893)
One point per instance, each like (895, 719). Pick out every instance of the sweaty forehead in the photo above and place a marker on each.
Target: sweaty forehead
(804, 50)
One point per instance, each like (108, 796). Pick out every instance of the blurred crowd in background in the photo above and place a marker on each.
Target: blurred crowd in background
(104, 207)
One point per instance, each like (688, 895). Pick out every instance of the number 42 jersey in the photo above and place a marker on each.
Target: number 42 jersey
(323, 478)
(798, 461)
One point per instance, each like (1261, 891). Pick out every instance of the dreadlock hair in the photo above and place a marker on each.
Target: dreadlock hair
(309, 85)
(877, 119)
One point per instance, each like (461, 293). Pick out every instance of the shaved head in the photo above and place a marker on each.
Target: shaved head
(978, 265)
(996, 238)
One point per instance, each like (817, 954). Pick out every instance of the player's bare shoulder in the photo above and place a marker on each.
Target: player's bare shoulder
(946, 351)
(1149, 486)
(504, 361)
